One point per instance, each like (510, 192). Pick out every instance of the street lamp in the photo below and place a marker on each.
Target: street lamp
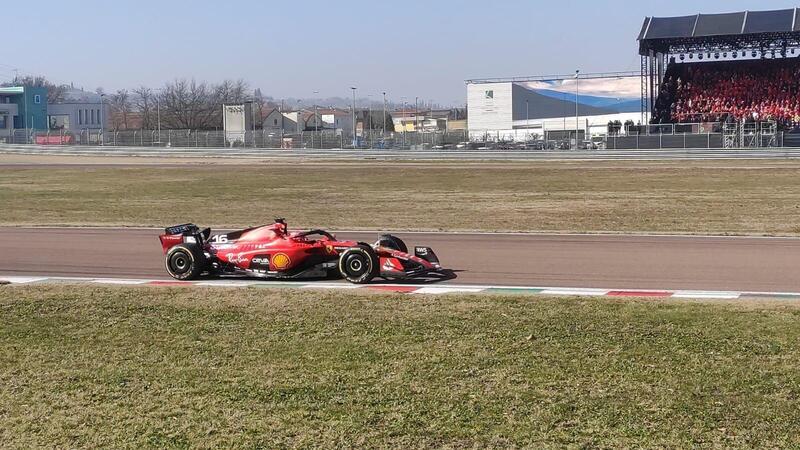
(298, 116)
(369, 107)
(384, 115)
(527, 118)
(158, 116)
(102, 96)
(416, 114)
(354, 115)
(404, 120)
(316, 121)
(577, 126)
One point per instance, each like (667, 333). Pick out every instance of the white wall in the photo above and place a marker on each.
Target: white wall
(340, 122)
(493, 113)
(596, 125)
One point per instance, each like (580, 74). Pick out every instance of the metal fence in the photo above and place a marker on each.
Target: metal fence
(251, 139)
(667, 136)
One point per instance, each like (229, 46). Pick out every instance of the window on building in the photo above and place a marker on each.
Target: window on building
(98, 118)
(37, 99)
(275, 121)
(80, 117)
(3, 121)
(92, 122)
(488, 94)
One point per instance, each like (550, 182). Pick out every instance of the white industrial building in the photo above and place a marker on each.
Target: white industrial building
(545, 107)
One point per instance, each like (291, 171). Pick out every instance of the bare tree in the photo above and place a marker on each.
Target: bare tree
(260, 106)
(120, 107)
(186, 105)
(143, 101)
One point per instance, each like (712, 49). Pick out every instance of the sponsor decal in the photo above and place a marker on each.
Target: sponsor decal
(237, 258)
(329, 249)
(261, 260)
(281, 261)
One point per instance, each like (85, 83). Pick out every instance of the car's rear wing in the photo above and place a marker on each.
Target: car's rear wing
(187, 233)
(186, 228)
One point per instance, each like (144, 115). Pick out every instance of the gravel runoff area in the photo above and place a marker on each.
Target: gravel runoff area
(741, 197)
(147, 367)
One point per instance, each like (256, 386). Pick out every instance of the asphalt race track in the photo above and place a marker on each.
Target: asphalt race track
(588, 261)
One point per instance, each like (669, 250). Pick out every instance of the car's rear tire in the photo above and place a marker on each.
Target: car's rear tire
(184, 262)
(359, 264)
(393, 242)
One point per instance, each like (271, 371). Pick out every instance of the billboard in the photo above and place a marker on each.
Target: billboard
(614, 94)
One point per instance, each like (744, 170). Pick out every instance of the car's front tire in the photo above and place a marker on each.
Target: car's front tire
(184, 262)
(359, 264)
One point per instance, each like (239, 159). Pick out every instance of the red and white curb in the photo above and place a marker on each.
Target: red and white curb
(432, 289)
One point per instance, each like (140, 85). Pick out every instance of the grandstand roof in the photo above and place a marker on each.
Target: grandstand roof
(658, 32)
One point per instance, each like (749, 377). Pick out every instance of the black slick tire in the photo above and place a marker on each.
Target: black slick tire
(359, 264)
(184, 262)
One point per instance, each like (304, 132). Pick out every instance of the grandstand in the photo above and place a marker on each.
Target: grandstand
(733, 68)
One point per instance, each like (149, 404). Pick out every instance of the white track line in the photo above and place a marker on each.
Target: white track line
(416, 288)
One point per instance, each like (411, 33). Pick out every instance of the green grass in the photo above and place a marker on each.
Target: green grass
(156, 367)
(550, 197)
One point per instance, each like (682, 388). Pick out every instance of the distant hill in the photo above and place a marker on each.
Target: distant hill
(616, 104)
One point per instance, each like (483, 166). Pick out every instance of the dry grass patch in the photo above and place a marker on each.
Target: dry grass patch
(155, 367)
(717, 199)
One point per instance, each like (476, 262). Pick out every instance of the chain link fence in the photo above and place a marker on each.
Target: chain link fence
(667, 136)
(326, 139)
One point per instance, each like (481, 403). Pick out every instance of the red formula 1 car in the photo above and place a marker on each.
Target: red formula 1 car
(271, 251)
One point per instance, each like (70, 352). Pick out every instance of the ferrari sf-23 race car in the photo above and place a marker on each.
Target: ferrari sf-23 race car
(272, 251)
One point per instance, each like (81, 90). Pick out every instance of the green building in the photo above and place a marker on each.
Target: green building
(31, 107)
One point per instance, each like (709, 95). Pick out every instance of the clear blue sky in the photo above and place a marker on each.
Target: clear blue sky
(293, 48)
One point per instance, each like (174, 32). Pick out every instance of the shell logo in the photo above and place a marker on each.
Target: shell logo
(280, 261)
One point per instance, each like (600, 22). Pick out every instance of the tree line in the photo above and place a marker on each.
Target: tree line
(189, 104)
(179, 104)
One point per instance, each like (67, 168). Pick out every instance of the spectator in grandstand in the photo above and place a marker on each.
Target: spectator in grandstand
(762, 90)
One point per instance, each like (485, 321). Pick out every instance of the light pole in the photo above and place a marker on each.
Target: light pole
(384, 115)
(102, 96)
(316, 121)
(158, 116)
(354, 115)
(416, 114)
(369, 133)
(577, 126)
(527, 120)
(299, 117)
(403, 121)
